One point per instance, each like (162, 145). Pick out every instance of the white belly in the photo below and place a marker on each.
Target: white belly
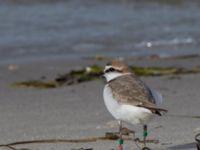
(128, 113)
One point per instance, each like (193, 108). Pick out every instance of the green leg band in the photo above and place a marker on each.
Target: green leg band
(120, 141)
(145, 134)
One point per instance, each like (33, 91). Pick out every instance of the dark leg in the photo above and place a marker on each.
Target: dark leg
(145, 134)
(120, 129)
(120, 141)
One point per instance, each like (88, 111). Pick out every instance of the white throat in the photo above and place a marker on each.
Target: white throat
(112, 75)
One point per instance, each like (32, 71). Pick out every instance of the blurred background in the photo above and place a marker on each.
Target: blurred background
(33, 29)
(42, 75)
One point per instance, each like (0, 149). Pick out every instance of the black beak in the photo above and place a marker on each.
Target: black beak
(103, 76)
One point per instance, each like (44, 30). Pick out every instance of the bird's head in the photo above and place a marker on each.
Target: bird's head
(115, 69)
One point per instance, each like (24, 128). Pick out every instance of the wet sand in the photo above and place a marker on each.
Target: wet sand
(78, 111)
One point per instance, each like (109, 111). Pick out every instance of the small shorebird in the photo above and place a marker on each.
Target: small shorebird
(128, 98)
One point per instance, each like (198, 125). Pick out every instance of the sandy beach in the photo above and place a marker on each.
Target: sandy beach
(78, 111)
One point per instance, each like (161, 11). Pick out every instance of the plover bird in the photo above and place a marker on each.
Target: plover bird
(128, 98)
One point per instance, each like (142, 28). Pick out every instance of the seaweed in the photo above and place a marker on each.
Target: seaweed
(186, 56)
(154, 71)
(36, 83)
(82, 75)
(94, 72)
(72, 77)
(195, 69)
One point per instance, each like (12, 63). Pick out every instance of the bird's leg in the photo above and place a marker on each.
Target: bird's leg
(145, 134)
(120, 129)
(120, 141)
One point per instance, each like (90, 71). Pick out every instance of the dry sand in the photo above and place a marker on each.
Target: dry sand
(78, 111)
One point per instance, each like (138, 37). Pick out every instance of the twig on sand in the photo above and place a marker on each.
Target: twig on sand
(108, 136)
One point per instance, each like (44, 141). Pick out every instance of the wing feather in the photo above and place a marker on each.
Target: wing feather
(130, 89)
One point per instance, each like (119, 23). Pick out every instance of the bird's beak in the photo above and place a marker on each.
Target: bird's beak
(103, 76)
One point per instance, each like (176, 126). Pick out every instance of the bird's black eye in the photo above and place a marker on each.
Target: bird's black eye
(110, 70)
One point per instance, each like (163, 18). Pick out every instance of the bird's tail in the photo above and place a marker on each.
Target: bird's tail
(156, 110)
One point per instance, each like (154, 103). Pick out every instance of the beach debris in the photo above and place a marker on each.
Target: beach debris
(94, 72)
(154, 71)
(36, 84)
(13, 67)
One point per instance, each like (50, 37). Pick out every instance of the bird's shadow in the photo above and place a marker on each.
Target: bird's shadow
(184, 146)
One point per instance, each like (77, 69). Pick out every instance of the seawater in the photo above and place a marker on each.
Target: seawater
(82, 28)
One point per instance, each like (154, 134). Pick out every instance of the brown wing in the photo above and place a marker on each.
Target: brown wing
(130, 89)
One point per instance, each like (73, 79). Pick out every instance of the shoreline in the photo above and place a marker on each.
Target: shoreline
(71, 57)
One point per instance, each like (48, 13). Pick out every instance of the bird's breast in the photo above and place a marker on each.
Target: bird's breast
(125, 112)
(111, 104)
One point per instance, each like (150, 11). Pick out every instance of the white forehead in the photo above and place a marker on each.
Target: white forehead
(108, 67)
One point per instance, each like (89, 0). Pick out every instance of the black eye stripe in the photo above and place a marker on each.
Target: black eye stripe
(112, 70)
